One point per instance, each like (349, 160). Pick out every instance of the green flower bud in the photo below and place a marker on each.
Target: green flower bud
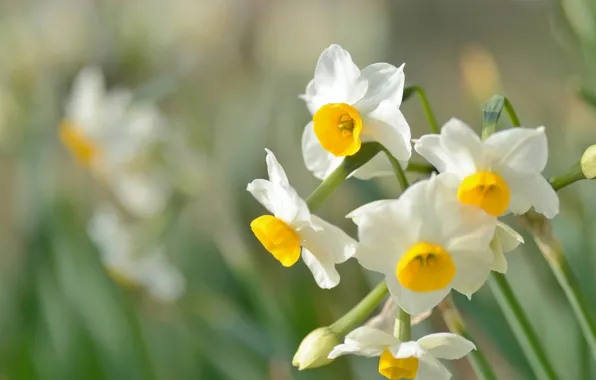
(588, 162)
(315, 348)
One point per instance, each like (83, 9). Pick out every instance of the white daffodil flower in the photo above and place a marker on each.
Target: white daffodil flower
(350, 106)
(292, 226)
(501, 174)
(111, 135)
(506, 239)
(425, 243)
(409, 360)
(117, 244)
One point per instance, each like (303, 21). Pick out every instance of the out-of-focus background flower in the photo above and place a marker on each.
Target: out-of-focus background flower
(91, 288)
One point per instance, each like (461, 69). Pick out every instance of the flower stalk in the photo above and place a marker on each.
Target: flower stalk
(573, 174)
(541, 230)
(349, 164)
(403, 326)
(430, 116)
(521, 327)
(456, 325)
(358, 313)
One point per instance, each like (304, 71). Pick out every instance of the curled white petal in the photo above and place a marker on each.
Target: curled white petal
(446, 346)
(325, 245)
(365, 341)
(506, 239)
(322, 268)
(276, 172)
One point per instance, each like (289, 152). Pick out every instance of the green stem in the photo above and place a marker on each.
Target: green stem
(521, 327)
(358, 313)
(399, 171)
(423, 168)
(573, 174)
(403, 326)
(456, 325)
(511, 112)
(552, 250)
(333, 180)
(430, 116)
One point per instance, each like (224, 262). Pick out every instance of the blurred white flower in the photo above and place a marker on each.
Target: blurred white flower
(349, 107)
(499, 175)
(425, 243)
(410, 360)
(292, 231)
(119, 244)
(112, 135)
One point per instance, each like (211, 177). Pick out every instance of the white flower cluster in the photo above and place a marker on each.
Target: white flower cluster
(442, 233)
(113, 135)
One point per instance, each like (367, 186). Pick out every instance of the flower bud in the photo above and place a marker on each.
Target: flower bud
(315, 348)
(588, 162)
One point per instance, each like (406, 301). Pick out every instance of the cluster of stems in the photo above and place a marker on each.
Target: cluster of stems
(537, 225)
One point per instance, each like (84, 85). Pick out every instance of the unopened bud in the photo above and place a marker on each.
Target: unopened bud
(315, 348)
(588, 162)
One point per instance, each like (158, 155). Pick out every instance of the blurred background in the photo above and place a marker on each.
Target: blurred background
(162, 278)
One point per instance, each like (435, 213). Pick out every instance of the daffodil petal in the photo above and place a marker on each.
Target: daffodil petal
(429, 368)
(322, 268)
(317, 160)
(472, 273)
(337, 78)
(524, 149)
(529, 189)
(407, 350)
(457, 149)
(371, 337)
(327, 238)
(500, 261)
(381, 233)
(277, 174)
(413, 302)
(509, 238)
(385, 83)
(387, 125)
(279, 197)
(446, 346)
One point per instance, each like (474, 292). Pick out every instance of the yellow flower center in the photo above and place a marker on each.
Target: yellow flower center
(425, 267)
(338, 128)
(487, 190)
(278, 238)
(81, 147)
(396, 369)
